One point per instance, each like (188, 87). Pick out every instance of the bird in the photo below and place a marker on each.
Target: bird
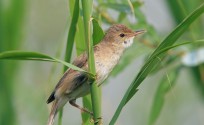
(75, 84)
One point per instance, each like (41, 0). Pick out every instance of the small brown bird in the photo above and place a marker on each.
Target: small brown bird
(75, 84)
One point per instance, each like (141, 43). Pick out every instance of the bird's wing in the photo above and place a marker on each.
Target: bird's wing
(71, 78)
(70, 73)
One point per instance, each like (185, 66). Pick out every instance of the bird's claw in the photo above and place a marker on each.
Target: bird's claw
(97, 120)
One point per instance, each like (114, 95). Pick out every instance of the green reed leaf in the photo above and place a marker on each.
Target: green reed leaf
(22, 55)
(97, 32)
(152, 61)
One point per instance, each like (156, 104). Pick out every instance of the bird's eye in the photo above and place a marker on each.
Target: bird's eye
(122, 35)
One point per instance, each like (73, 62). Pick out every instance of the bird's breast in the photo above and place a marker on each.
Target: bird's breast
(105, 65)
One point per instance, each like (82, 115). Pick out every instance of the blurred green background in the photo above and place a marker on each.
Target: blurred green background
(42, 26)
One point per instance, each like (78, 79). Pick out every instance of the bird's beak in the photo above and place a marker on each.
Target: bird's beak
(139, 32)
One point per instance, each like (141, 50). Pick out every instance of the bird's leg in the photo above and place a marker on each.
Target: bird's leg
(73, 103)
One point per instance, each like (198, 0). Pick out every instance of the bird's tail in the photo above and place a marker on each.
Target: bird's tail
(53, 112)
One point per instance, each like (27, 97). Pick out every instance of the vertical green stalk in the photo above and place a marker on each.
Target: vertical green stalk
(87, 10)
(60, 117)
(72, 30)
(80, 48)
(70, 39)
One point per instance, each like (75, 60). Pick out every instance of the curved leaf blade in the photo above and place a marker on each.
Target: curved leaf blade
(22, 55)
(152, 62)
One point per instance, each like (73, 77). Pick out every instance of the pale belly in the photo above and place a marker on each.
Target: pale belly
(103, 68)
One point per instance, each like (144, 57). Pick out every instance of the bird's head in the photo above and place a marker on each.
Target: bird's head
(120, 35)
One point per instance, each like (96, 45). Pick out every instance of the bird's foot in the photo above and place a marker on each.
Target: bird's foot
(97, 120)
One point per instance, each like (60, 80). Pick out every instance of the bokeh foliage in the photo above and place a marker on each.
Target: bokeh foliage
(11, 20)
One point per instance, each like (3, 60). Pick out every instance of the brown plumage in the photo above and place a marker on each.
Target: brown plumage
(75, 84)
